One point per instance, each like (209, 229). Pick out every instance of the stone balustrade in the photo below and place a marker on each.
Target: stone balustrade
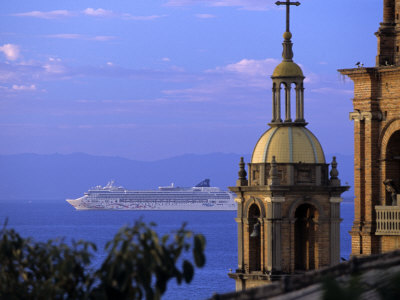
(387, 220)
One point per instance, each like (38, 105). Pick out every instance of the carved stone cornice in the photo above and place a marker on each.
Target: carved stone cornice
(274, 199)
(366, 115)
(239, 199)
(335, 199)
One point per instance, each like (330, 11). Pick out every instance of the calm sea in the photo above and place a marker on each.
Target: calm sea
(48, 220)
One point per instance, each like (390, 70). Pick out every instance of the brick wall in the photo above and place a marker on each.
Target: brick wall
(376, 118)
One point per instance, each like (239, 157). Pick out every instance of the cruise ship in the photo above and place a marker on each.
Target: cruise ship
(200, 197)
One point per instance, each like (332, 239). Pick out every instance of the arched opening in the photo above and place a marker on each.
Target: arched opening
(393, 164)
(306, 245)
(254, 238)
(281, 101)
(274, 114)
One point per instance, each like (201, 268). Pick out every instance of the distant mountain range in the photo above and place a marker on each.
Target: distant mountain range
(59, 176)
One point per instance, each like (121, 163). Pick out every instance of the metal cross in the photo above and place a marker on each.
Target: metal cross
(287, 3)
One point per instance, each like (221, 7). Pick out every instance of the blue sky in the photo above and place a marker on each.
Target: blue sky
(150, 79)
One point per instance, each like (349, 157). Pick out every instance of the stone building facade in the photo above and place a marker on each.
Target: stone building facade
(376, 117)
(289, 206)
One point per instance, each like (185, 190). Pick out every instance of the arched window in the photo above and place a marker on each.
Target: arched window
(392, 158)
(254, 238)
(306, 245)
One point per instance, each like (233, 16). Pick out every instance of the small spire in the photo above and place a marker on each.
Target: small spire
(273, 173)
(287, 44)
(334, 180)
(242, 180)
(287, 53)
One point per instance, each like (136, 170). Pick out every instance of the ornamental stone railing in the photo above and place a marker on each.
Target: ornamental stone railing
(387, 220)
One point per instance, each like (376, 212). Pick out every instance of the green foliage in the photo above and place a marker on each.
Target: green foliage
(392, 289)
(139, 265)
(389, 290)
(333, 290)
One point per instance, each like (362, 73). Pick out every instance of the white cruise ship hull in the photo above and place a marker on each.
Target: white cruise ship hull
(168, 198)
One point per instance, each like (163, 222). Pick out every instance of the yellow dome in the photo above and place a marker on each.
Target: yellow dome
(287, 69)
(289, 144)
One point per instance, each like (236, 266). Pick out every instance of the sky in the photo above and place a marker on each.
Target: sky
(152, 79)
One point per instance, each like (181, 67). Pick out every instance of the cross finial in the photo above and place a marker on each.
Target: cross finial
(287, 3)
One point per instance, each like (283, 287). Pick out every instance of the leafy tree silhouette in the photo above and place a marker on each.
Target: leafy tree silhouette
(138, 265)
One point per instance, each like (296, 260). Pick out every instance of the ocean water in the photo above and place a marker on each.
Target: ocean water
(49, 220)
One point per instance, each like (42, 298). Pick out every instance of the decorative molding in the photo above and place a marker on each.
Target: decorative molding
(238, 220)
(256, 201)
(355, 116)
(366, 115)
(297, 203)
(274, 199)
(372, 115)
(239, 199)
(335, 199)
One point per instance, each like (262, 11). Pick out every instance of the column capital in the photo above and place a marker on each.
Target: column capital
(366, 116)
(371, 115)
(274, 199)
(239, 199)
(355, 116)
(335, 199)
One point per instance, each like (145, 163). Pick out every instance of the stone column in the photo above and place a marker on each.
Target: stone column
(239, 222)
(262, 244)
(273, 222)
(371, 173)
(287, 102)
(335, 230)
(278, 103)
(274, 117)
(298, 117)
(356, 241)
(301, 102)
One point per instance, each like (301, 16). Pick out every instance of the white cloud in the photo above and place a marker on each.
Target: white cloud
(75, 36)
(10, 51)
(205, 16)
(142, 18)
(166, 59)
(54, 14)
(242, 4)
(71, 36)
(245, 77)
(99, 12)
(250, 67)
(31, 87)
(102, 38)
(54, 68)
(90, 12)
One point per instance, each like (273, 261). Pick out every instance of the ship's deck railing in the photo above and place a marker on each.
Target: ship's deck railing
(387, 220)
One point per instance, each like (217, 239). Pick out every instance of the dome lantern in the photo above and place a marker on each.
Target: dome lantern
(286, 74)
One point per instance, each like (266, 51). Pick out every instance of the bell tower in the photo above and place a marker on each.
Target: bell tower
(376, 117)
(388, 35)
(289, 204)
